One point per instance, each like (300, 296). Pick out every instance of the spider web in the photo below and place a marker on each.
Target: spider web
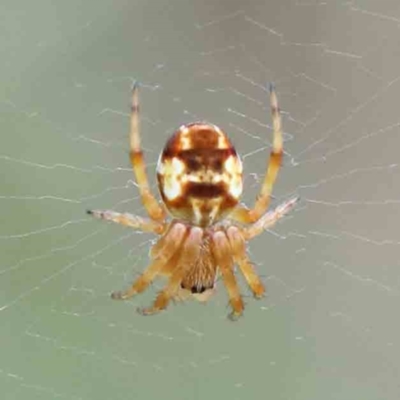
(328, 328)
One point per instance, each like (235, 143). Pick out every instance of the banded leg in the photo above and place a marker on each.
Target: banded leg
(190, 252)
(269, 219)
(243, 214)
(222, 254)
(151, 204)
(126, 219)
(238, 247)
(171, 246)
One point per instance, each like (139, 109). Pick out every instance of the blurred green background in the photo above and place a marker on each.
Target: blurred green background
(328, 328)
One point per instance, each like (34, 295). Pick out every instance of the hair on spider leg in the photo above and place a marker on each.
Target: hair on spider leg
(287, 206)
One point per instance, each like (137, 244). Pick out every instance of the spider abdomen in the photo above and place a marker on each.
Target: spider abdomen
(200, 174)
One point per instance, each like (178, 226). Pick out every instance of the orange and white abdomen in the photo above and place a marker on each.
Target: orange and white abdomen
(200, 174)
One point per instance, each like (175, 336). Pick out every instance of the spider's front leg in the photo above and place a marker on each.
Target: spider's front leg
(133, 221)
(243, 214)
(153, 207)
(269, 219)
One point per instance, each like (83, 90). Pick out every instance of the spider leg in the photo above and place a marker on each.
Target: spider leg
(171, 245)
(268, 219)
(238, 247)
(190, 252)
(243, 214)
(153, 207)
(126, 219)
(222, 254)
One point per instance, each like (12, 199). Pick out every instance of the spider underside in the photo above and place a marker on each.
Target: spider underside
(200, 180)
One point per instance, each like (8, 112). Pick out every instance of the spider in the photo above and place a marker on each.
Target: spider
(200, 180)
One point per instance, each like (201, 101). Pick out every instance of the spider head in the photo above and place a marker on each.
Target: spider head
(200, 174)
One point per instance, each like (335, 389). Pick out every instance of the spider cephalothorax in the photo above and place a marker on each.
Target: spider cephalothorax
(200, 180)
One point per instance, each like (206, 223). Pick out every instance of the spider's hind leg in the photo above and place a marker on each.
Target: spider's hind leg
(179, 265)
(167, 247)
(222, 253)
(238, 247)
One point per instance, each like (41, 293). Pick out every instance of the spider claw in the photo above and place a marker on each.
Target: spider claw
(97, 213)
(147, 311)
(118, 295)
(271, 87)
(135, 85)
(141, 311)
(258, 290)
(235, 315)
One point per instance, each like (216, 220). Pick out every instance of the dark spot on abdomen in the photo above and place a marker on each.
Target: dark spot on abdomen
(205, 190)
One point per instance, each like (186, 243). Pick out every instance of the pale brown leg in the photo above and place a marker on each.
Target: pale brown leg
(152, 206)
(190, 252)
(171, 246)
(126, 219)
(269, 219)
(243, 214)
(239, 254)
(222, 254)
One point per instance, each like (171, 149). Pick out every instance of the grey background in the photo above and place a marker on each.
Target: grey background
(329, 327)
